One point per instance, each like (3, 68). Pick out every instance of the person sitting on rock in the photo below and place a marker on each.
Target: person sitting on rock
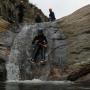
(39, 46)
(20, 11)
(51, 15)
(38, 18)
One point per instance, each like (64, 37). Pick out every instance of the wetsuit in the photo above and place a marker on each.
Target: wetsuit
(39, 49)
(52, 16)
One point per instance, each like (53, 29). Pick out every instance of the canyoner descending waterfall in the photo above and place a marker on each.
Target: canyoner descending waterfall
(20, 67)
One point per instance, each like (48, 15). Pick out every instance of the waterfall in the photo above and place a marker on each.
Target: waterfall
(19, 67)
(13, 66)
(13, 71)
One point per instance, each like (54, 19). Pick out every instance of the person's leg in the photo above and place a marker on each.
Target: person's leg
(40, 53)
(35, 53)
(43, 53)
(20, 18)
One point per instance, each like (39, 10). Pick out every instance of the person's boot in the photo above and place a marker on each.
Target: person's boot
(32, 60)
(43, 61)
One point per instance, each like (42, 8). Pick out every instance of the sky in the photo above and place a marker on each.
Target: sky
(61, 8)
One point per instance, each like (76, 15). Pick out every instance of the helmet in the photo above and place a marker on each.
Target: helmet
(40, 31)
(50, 9)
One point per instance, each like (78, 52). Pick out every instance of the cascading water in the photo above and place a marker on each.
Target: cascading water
(19, 66)
(13, 66)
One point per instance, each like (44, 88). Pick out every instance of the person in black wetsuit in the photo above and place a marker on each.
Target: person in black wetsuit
(39, 46)
(20, 9)
(51, 15)
(38, 18)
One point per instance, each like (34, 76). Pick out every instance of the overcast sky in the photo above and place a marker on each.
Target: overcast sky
(60, 7)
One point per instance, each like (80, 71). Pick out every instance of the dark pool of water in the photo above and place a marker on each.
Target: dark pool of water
(43, 86)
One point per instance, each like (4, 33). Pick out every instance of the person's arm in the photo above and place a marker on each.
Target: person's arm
(16, 7)
(50, 17)
(46, 42)
(53, 15)
(35, 40)
(24, 6)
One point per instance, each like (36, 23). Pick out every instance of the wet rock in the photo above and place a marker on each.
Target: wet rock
(55, 73)
(82, 69)
(76, 27)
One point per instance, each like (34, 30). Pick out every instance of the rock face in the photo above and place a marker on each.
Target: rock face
(6, 37)
(6, 40)
(21, 53)
(8, 11)
(68, 52)
(76, 27)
